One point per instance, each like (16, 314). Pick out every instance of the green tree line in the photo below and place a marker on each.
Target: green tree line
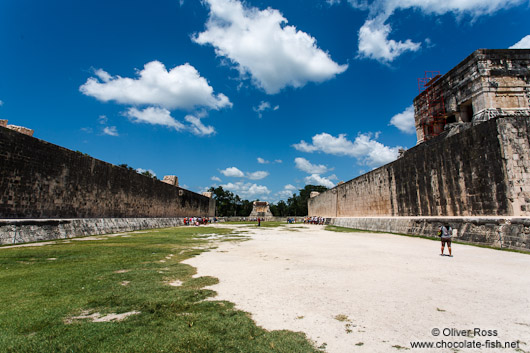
(228, 204)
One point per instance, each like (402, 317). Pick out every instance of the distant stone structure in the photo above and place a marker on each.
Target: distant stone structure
(487, 84)
(171, 180)
(260, 209)
(207, 194)
(314, 194)
(20, 129)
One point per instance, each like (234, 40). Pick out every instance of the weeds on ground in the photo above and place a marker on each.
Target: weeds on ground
(46, 291)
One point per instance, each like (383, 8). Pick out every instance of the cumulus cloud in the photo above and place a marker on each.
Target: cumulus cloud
(247, 190)
(306, 166)
(288, 191)
(179, 88)
(215, 178)
(262, 161)
(259, 43)
(197, 127)
(258, 175)
(110, 130)
(524, 43)
(374, 42)
(404, 121)
(236, 173)
(374, 39)
(154, 116)
(278, 161)
(232, 172)
(264, 106)
(315, 179)
(365, 149)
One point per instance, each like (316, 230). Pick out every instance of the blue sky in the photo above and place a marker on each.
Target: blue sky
(262, 97)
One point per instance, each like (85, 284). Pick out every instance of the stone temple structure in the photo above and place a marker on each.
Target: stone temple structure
(470, 167)
(487, 84)
(260, 209)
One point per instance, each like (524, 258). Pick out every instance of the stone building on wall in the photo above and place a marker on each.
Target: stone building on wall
(487, 84)
(260, 209)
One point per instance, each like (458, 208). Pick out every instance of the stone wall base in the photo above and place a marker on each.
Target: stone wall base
(501, 232)
(16, 231)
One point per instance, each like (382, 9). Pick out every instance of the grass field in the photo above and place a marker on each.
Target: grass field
(44, 289)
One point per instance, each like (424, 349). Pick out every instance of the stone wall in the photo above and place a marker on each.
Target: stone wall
(16, 231)
(42, 180)
(501, 232)
(482, 171)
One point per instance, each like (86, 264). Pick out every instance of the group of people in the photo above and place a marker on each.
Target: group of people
(197, 221)
(314, 220)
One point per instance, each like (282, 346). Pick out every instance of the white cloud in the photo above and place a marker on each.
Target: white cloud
(288, 191)
(374, 42)
(1, 103)
(260, 43)
(215, 178)
(264, 106)
(258, 175)
(306, 166)
(111, 131)
(247, 190)
(181, 87)
(373, 35)
(367, 150)
(316, 179)
(278, 161)
(197, 127)
(262, 161)
(524, 43)
(154, 116)
(232, 172)
(102, 119)
(404, 121)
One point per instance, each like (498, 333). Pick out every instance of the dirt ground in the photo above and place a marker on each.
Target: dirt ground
(366, 292)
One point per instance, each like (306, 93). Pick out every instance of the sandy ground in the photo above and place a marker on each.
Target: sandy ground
(364, 292)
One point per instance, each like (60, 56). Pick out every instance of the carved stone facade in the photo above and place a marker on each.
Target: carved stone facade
(171, 180)
(260, 209)
(487, 84)
(20, 129)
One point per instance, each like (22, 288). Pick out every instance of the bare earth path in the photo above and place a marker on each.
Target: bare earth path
(363, 292)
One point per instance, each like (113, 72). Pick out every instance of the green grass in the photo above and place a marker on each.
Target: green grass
(42, 287)
(355, 230)
(255, 223)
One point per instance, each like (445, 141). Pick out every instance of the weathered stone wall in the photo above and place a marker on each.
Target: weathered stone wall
(42, 180)
(512, 233)
(16, 231)
(482, 171)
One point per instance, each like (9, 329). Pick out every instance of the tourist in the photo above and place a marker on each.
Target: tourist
(259, 222)
(445, 234)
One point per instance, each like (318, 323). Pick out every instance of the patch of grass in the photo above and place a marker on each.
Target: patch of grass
(397, 346)
(341, 318)
(359, 344)
(441, 310)
(40, 295)
(355, 230)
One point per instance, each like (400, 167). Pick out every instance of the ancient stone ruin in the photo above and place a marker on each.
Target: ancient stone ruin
(487, 84)
(472, 160)
(260, 209)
